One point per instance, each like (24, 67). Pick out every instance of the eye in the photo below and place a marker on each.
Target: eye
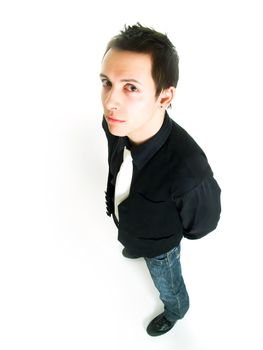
(131, 88)
(105, 83)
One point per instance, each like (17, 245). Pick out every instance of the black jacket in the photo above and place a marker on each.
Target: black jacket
(173, 192)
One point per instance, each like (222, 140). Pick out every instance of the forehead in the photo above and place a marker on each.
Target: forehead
(127, 64)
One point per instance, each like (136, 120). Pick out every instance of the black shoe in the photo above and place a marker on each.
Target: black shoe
(159, 325)
(126, 254)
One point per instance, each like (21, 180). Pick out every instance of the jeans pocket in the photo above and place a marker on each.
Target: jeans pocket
(160, 257)
(156, 262)
(175, 252)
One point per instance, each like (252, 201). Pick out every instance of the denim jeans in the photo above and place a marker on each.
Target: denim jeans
(166, 273)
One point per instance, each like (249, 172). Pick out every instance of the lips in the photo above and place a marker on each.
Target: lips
(114, 120)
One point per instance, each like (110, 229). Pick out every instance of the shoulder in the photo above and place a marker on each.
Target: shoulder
(182, 143)
(188, 162)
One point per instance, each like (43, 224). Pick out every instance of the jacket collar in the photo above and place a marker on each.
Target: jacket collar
(142, 153)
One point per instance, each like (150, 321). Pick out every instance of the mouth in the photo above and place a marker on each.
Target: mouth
(114, 120)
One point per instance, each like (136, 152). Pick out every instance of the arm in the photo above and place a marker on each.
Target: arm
(200, 209)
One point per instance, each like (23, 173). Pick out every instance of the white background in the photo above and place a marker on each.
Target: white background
(64, 282)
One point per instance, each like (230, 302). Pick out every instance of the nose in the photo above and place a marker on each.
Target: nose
(111, 99)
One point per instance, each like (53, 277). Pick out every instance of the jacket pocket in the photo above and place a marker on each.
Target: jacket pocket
(148, 219)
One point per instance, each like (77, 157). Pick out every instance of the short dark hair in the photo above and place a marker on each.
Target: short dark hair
(137, 38)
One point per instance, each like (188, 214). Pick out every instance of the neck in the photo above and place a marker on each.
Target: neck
(148, 130)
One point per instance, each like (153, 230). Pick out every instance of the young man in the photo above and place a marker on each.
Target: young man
(160, 186)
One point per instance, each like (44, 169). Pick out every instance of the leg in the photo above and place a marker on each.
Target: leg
(166, 273)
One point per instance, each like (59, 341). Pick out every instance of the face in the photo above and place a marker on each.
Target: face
(128, 95)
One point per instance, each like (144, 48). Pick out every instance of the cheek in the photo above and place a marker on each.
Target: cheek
(139, 101)
(102, 96)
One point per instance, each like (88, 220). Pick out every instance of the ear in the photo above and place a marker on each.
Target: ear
(166, 96)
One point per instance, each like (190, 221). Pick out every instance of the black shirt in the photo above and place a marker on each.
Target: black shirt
(173, 192)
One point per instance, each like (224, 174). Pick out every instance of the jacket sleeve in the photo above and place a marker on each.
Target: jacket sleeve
(200, 209)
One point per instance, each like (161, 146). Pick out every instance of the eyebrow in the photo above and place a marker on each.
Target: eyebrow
(122, 80)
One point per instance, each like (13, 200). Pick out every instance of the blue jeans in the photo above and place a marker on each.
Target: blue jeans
(166, 273)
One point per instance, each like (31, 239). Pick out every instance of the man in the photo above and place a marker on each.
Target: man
(160, 186)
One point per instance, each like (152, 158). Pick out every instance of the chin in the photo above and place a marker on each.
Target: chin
(116, 132)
